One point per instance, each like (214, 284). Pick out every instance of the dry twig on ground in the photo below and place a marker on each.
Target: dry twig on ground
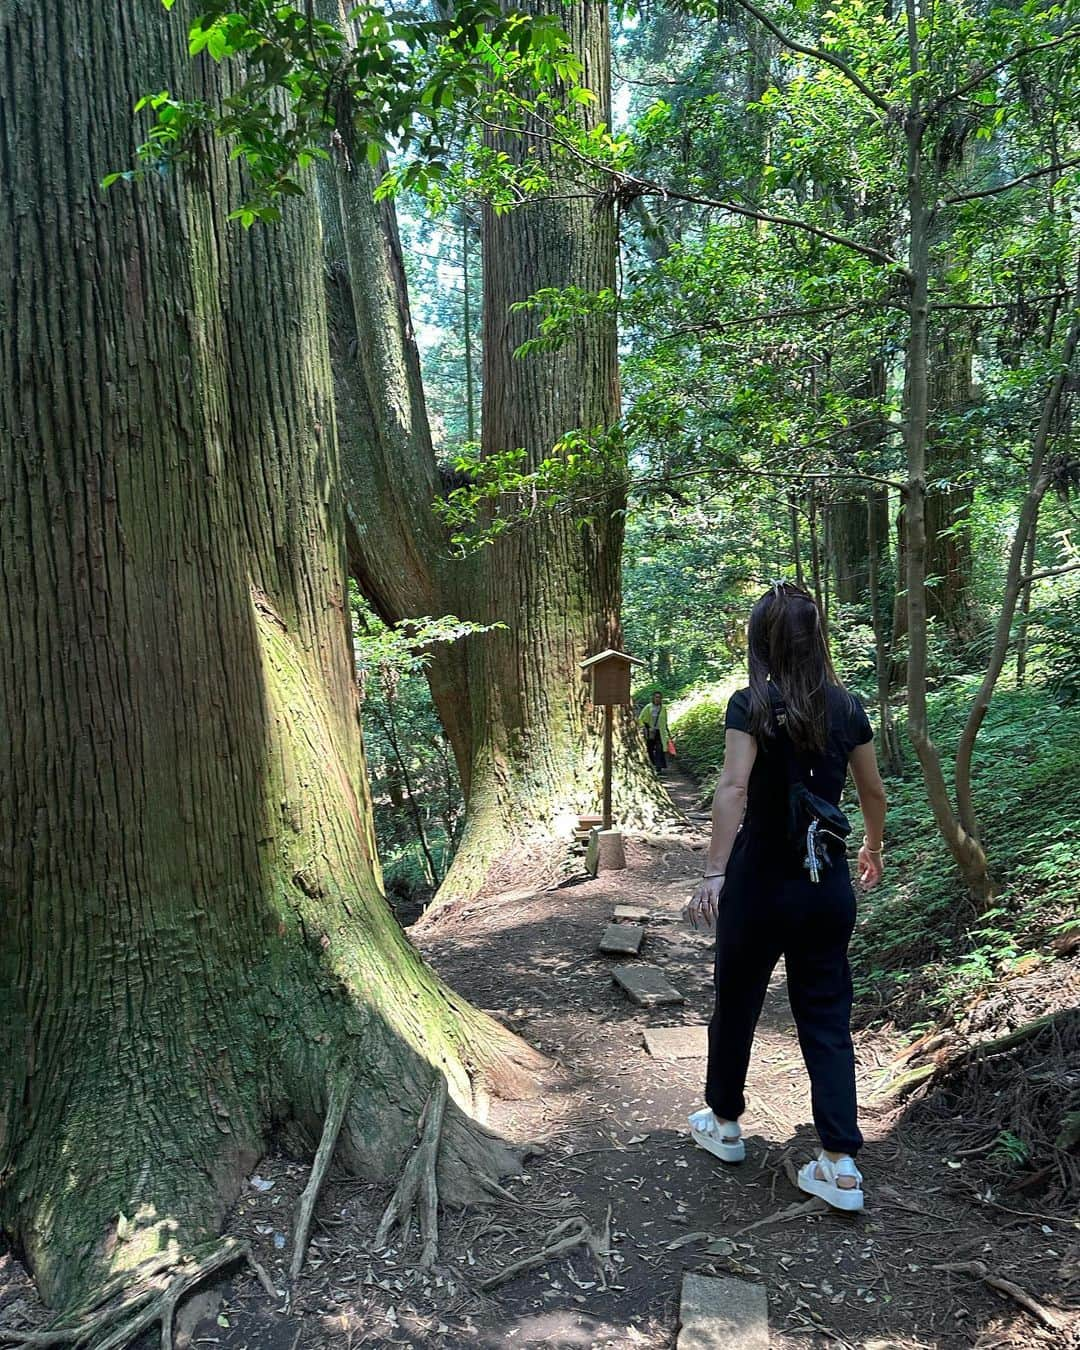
(979, 1271)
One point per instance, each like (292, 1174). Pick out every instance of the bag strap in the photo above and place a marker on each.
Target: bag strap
(791, 761)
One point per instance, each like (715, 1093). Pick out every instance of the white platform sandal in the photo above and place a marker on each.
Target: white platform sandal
(723, 1141)
(826, 1186)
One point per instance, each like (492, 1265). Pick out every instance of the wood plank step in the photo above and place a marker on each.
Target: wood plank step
(622, 939)
(646, 986)
(722, 1312)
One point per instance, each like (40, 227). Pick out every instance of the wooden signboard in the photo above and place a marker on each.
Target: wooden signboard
(609, 686)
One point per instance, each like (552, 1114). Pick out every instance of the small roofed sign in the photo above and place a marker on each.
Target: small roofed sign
(609, 677)
(609, 685)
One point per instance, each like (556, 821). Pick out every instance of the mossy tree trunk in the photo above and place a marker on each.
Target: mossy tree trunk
(195, 946)
(512, 701)
(555, 585)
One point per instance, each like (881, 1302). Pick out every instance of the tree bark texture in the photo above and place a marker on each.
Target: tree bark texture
(554, 584)
(195, 944)
(964, 846)
(512, 701)
(850, 529)
(949, 561)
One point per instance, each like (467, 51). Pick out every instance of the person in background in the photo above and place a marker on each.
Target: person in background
(654, 723)
(794, 731)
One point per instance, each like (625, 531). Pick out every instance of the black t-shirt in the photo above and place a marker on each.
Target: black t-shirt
(824, 774)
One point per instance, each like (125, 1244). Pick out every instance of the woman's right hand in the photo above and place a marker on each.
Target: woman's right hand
(871, 866)
(705, 902)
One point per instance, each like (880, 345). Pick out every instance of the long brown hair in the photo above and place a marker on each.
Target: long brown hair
(787, 645)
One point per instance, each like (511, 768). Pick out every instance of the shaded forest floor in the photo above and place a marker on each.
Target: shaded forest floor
(611, 1122)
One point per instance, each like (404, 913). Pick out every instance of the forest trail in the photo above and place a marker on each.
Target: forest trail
(612, 1123)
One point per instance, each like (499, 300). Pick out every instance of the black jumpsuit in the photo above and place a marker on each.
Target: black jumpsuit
(769, 907)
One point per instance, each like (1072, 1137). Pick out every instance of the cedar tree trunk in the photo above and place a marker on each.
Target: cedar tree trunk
(555, 585)
(195, 947)
(512, 701)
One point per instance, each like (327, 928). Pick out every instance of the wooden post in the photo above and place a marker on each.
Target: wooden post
(608, 717)
(609, 688)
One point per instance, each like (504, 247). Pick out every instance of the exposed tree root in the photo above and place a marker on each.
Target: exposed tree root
(564, 1237)
(885, 1089)
(980, 1272)
(126, 1306)
(417, 1187)
(340, 1092)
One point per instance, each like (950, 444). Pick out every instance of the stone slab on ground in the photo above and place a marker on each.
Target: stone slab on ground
(722, 1312)
(622, 939)
(646, 986)
(632, 913)
(677, 1042)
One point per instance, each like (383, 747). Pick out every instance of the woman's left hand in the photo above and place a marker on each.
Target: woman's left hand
(705, 902)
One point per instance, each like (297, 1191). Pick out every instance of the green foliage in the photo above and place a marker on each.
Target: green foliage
(1010, 1148)
(391, 80)
(697, 726)
(917, 945)
(416, 793)
(503, 490)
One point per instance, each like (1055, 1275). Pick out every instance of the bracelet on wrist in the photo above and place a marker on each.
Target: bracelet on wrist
(876, 851)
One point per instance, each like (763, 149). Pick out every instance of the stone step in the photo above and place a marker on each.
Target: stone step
(683, 1042)
(622, 939)
(722, 1312)
(632, 913)
(646, 986)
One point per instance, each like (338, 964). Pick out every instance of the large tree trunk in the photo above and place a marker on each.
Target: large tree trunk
(949, 562)
(965, 848)
(948, 508)
(513, 701)
(850, 529)
(195, 946)
(554, 584)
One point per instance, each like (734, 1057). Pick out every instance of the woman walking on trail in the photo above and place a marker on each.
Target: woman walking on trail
(780, 885)
(654, 723)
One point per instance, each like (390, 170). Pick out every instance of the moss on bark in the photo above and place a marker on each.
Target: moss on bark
(195, 942)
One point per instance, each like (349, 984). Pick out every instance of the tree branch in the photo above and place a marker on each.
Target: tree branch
(995, 304)
(1049, 572)
(631, 187)
(649, 189)
(985, 74)
(1013, 182)
(817, 54)
(834, 311)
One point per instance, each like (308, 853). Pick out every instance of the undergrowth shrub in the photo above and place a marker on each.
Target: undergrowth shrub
(919, 948)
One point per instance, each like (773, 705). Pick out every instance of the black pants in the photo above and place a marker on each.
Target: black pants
(655, 745)
(810, 925)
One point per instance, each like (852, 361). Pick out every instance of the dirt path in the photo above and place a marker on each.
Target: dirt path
(612, 1123)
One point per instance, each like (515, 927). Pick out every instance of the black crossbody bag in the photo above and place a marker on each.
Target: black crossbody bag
(816, 829)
